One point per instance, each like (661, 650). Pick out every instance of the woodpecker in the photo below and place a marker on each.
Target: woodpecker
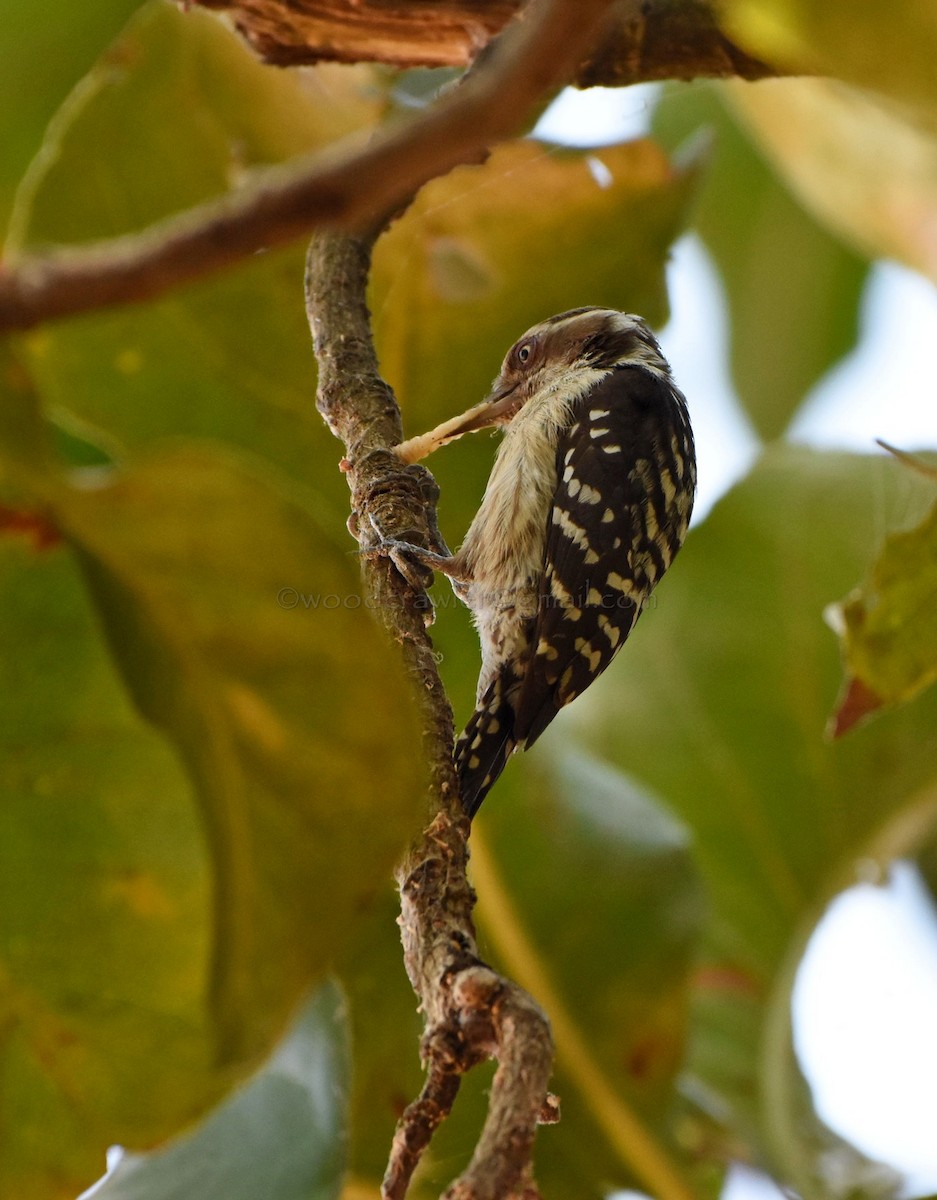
(588, 501)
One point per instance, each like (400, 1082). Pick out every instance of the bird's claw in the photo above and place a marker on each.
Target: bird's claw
(407, 561)
(406, 558)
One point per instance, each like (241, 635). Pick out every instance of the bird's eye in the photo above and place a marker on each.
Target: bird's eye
(523, 353)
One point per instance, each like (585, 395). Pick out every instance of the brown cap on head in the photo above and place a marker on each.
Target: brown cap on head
(599, 336)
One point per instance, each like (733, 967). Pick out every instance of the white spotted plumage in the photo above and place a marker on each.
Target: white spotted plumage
(588, 502)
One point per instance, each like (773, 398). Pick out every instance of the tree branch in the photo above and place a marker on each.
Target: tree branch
(470, 1012)
(666, 40)
(535, 56)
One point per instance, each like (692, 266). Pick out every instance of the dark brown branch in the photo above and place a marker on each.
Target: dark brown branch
(344, 190)
(470, 1012)
(675, 40)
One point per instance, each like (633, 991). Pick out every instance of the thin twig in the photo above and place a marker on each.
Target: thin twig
(416, 1127)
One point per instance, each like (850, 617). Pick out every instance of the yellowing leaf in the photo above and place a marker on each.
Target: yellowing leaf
(889, 626)
(243, 634)
(135, 941)
(105, 908)
(178, 112)
(487, 251)
(853, 160)
(890, 48)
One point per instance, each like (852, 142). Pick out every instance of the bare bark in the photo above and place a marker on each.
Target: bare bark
(443, 33)
(666, 40)
(347, 190)
(471, 1013)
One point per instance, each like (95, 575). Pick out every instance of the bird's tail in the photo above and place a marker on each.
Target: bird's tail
(485, 745)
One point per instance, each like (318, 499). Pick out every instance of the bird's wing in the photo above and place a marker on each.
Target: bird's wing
(610, 537)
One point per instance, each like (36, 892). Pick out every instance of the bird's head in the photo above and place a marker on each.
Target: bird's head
(549, 357)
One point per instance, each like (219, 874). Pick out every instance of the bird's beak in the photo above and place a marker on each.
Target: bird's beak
(497, 409)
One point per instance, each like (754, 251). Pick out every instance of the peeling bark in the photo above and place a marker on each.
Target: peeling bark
(670, 39)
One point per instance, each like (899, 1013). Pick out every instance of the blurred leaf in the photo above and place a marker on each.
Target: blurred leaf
(718, 704)
(472, 263)
(868, 174)
(280, 1136)
(792, 289)
(242, 633)
(24, 448)
(240, 114)
(229, 358)
(104, 899)
(599, 886)
(41, 60)
(888, 48)
(926, 862)
(385, 1034)
(888, 626)
(617, 950)
(187, 552)
(588, 896)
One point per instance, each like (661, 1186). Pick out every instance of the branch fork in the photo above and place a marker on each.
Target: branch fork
(471, 1012)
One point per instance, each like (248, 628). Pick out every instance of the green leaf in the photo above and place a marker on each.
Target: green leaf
(40, 62)
(585, 884)
(385, 1033)
(229, 358)
(24, 447)
(589, 897)
(771, 255)
(105, 930)
(243, 634)
(633, 936)
(718, 704)
(888, 626)
(280, 709)
(240, 115)
(890, 49)
(280, 1136)
(867, 173)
